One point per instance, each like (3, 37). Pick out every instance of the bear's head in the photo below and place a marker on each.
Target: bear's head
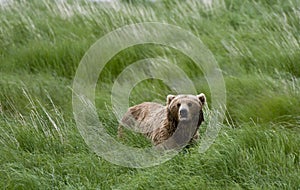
(185, 107)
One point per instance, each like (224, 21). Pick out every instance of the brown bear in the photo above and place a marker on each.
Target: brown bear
(159, 122)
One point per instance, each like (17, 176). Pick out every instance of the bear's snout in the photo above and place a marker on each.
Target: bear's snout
(183, 113)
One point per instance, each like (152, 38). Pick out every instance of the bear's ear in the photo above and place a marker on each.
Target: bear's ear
(202, 98)
(170, 98)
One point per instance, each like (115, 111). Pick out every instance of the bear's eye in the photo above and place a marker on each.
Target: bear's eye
(190, 104)
(178, 105)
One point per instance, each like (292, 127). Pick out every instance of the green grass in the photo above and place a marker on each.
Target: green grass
(256, 44)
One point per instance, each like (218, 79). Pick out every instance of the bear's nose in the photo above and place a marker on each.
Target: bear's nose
(183, 112)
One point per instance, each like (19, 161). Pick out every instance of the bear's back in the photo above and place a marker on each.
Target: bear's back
(146, 116)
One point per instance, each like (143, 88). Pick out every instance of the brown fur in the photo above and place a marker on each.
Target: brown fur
(159, 122)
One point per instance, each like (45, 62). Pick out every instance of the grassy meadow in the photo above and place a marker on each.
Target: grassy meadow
(255, 42)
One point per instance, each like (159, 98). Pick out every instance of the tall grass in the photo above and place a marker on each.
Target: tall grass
(256, 44)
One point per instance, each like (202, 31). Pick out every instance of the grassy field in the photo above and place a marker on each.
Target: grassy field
(257, 46)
